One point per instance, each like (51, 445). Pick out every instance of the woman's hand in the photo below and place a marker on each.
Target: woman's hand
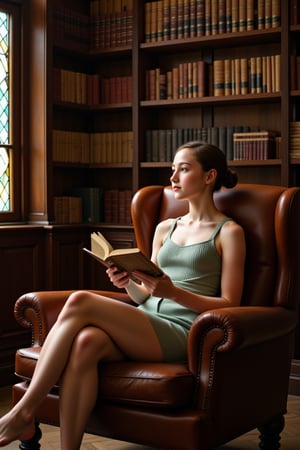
(117, 278)
(157, 286)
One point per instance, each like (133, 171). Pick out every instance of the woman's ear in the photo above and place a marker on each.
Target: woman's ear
(211, 176)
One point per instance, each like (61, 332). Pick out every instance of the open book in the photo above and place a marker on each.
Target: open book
(126, 259)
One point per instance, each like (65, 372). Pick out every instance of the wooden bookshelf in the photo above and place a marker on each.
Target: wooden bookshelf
(266, 110)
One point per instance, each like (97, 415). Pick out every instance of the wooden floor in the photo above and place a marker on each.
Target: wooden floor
(290, 438)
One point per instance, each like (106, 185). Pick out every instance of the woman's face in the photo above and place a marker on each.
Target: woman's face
(188, 178)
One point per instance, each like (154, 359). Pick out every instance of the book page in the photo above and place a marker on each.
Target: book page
(100, 245)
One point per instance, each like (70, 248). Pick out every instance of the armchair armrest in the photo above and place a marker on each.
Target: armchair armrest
(39, 310)
(234, 328)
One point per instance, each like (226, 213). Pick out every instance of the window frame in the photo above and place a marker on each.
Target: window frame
(16, 102)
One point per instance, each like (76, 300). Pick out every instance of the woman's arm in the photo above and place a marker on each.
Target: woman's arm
(138, 293)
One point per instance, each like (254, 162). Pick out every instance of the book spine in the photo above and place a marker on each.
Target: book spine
(173, 19)
(207, 18)
(214, 16)
(235, 15)
(275, 19)
(294, 12)
(261, 14)
(242, 15)
(159, 36)
(218, 77)
(186, 19)
(268, 14)
(193, 18)
(147, 23)
(166, 20)
(250, 24)
(228, 16)
(200, 18)
(153, 22)
(180, 18)
(244, 76)
(222, 16)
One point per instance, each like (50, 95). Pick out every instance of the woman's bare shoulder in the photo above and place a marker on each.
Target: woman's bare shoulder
(232, 229)
(163, 227)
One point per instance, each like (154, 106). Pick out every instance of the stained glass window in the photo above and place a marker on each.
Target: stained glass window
(4, 114)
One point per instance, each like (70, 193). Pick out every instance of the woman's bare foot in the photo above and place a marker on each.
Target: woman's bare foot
(15, 425)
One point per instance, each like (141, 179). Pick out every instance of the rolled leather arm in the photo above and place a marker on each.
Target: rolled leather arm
(227, 329)
(39, 310)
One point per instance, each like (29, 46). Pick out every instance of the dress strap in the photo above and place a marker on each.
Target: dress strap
(172, 228)
(218, 227)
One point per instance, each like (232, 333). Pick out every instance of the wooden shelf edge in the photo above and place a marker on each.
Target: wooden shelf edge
(70, 165)
(239, 38)
(84, 107)
(87, 53)
(209, 100)
(295, 161)
(241, 163)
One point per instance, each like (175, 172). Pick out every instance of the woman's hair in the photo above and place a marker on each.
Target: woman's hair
(211, 157)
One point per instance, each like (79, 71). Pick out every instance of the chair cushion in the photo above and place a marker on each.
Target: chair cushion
(165, 385)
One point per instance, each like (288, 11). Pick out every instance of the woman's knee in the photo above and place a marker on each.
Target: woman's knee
(76, 304)
(90, 345)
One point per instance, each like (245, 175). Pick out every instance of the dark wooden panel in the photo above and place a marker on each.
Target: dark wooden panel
(22, 270)
(65, 256)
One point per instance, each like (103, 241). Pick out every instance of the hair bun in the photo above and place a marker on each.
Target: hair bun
(230, 178)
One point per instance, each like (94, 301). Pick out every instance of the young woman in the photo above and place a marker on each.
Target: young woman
(202, 255)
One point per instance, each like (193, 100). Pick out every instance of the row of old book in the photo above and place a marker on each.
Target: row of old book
(107, 25)
(71, 28)
(92, 148)
(234, 76)
(242, 76)
(90, 89)
(187, 80)
(161, 145)
(181, 19)
(195, 79)
(93, 205)
(257, 145)
(294, 144)
(111, 23)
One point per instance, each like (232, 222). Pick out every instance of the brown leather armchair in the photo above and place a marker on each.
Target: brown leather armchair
(237, 374)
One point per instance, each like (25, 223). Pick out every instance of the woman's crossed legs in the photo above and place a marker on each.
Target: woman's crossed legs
(89, 329)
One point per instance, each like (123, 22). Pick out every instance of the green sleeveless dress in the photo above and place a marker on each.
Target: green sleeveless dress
(196, 268)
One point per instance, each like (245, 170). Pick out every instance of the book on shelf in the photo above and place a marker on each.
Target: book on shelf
(67, 209)
(92, 203)
(117, 206)
(294, 142)
(294, 12)
(255, 145)
(125, 259)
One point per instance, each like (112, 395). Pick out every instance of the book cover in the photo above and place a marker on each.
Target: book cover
(126, 259)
